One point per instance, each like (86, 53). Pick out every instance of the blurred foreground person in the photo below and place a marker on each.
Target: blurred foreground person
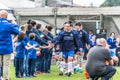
(6, 47)
(96, 65)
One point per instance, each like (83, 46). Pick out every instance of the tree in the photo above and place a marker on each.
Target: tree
(111, 3)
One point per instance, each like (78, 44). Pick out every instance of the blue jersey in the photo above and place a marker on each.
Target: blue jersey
(32, 52)
(20, 49)
(83, 36)
(50, 35)
(92, 43)
(26, 41)
(68, 41)
(6, 29)
(90, 36)
(111, 42)
(37, 37)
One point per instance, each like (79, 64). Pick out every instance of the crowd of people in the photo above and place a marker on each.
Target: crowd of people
(34, 47)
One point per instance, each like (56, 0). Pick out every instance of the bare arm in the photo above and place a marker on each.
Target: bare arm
(28, 47)
(49, 46)
(36, 48)
(44, 46)
(111, 62)
(15, 39)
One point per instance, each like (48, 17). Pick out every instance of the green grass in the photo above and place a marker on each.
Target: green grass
(54, 75)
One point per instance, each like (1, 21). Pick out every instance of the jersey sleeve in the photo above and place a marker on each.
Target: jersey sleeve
(58, 38)
(14, 29)
(38, 45)
(86, 38)
(78, 43)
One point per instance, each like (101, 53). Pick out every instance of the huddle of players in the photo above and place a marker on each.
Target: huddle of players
(71, 45)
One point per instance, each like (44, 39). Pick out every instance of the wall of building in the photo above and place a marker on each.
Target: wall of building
(110, 25)
(64, 14)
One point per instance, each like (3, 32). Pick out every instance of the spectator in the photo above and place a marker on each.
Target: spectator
(90, 34)
(112, 42)
(20, 54)
(93, 41)
(48, 32)
(23, 29)
(96, 64)
(118, 49)
(32, 53)
(44, 57)
(6, 47)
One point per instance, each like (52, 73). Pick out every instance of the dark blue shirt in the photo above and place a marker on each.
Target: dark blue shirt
(20, 49)
(83, 36)
(32, 52)
(50, 35)
(45, 36)
(68, 41)
(28, 32)
(37, 38)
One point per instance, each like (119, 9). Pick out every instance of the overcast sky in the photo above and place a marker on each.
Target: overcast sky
(88, 2)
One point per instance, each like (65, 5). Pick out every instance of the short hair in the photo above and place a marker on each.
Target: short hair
(38, 26)
(111, 33)
(91, 31)
(33, 23)
(22, 28)
(29, 21)
(78, 24)
(29, 27)
(21, 36)
(69, 22)
(49, 28)
(31, 36)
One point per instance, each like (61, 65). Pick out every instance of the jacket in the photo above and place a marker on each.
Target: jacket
(6, 29)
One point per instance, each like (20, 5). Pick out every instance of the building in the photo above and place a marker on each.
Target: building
(71, 1)
(53, 3)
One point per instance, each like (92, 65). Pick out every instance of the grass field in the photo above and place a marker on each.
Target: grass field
(54, 75)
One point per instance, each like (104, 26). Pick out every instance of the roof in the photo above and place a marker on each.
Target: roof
(69, 11)
(18, 3)
(58, 3)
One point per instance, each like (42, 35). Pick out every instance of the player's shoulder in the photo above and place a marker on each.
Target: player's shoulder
(74, 32)
(84, 31)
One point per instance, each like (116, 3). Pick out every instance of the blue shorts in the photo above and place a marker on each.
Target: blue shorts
(67, 54)
(112, 53)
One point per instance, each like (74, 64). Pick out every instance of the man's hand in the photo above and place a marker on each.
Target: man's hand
(87, 46)
(51, 45)
(13, 22)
